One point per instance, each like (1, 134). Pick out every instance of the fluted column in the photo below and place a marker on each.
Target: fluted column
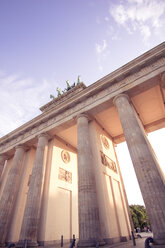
(33, 204)
(147, 170)
(2, 162)
(10, 192)
(89, 225)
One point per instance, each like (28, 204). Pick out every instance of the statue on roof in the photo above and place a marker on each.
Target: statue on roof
(59, 93)
(68, 85)
(52, 97)
(78, 80)
(73, 85)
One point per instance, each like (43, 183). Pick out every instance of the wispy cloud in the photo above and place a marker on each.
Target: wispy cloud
(20, 99)
(146, 16)
(107, 19)
(100, 48)
(113, 33)
(101, 53)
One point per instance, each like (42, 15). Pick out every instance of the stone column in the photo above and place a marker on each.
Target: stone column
(146, 167)
(89, 224)
(33, 204)
(2, 162)
(10, 192)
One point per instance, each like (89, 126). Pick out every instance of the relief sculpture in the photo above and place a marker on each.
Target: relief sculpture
(65, 156)
(105, 142)
(108, 162)
(65, 175)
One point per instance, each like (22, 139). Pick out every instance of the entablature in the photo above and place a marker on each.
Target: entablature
(138, 75)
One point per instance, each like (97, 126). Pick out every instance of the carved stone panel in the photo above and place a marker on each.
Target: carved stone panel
(65, 175)
(108, 162)
(65, 156)
(105, 141)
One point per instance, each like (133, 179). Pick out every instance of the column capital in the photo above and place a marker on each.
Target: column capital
(120, 95)
(83, 115)
(46, 135)
(163, 77)
(21, 146)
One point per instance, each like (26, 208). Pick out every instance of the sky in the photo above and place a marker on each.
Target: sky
(43, 43)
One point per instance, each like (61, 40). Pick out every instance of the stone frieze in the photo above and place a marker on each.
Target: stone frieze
(108, 162)
(83, 101)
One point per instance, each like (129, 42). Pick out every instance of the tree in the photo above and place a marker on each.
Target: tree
(139, 216)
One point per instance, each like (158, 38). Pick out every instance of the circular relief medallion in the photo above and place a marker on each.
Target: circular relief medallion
(65, 156)
(105, 142)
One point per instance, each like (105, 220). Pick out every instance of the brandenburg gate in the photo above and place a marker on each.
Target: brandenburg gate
(59, 174)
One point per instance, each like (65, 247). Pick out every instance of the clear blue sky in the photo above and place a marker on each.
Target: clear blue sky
(60, 39)
(43, 43)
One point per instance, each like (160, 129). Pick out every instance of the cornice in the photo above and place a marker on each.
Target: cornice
(65, 96)
(105, 88)
(131, 67)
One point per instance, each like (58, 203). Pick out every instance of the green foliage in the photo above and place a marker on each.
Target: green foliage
(139, 216)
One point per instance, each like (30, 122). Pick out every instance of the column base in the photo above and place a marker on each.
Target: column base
(123, 239)
(2, 244)
(90, 243)
(159, 243)
(158, 246)
(30, 243)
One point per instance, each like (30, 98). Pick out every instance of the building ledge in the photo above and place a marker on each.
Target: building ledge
(62, 98)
